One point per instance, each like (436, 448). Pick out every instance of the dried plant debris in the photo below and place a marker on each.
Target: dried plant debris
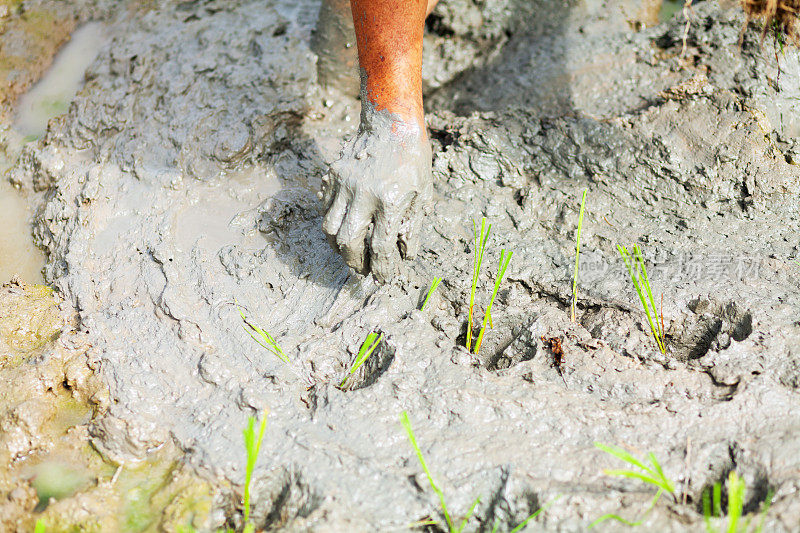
(778, 16)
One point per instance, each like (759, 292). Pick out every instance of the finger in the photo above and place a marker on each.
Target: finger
(384, 255)
(329, 189)
(333, 218)
(351, 238)
(410, 229)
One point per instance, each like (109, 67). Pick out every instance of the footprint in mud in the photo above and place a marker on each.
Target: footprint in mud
(379, 356)
(712, 326)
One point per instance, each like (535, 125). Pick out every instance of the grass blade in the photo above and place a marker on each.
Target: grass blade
(625, 520)
(651, 475)
(638, 273)
(367, 347)
(646, 283)
(501, 271)
(736, 490)
(622, 455)
(407, 425)
(707, 512)
(539, 511)
(469, 513)
(435, 284)
(252, 445)
(666, 482)
(577, 258)
(266, 341)
(480, 240)
(764, 511)
(39, 527)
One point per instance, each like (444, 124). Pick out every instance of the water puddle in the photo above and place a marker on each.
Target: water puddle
(18, 255)
(50, 97)
(669, 8)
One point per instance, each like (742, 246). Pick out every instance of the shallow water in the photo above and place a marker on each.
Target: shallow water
(50, 97)
(18, 255)
(669, 8)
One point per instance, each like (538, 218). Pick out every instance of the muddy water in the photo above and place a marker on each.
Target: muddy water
(18, 255)
(669, 8)
(50, 97)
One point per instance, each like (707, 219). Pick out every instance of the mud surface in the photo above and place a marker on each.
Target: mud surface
(182, 184)
(49, 471)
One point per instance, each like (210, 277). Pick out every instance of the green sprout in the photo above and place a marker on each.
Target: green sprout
(638, 272)
(252, 445)
(266, 341)
(435, 284)
(501, 271)
(524, 523)
(480, 248)
(577, 257)
(450, 526)
(39, 527)
(712, 506)
(652, 475)
(367, 347)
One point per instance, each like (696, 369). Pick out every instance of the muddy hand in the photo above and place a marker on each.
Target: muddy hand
(375, 196)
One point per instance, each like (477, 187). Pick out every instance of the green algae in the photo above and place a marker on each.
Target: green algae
(51, 398)
(29, 319)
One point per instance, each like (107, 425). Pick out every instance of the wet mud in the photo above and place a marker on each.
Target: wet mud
(181, 187)
(49, 468)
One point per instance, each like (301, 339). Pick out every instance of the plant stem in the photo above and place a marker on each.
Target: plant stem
(501, 271)
(407, 425)
(435, 284)
(367, 347)
(577, 258)
(252, 445)
(480, 247)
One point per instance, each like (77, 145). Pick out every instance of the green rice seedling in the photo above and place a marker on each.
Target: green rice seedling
(266, 341)
(367, 347)
(252, 445)
(39, 527)
(652, 475)
(450, 526)
(577, 258)
(435, 284)
(712, 506)
(638, 272)
(524, 523)
(480, 247)
(501, 271)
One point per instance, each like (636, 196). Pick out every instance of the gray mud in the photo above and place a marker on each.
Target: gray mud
(183, 180)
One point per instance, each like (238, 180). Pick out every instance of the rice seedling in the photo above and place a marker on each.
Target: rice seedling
(524, 523)
(435, 284)
(501, 271)
(638, 272)
(652, 475)
(367, 347)
(39, 527)
(712, 506)
(577, 258)
(252, 445)
(450, 526)
(480, 247)
(266, 341)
